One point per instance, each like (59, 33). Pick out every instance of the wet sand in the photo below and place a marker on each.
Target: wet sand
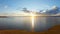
(53, 30)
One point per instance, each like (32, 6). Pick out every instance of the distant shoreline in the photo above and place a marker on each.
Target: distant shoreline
(3, 16)
(26, 16)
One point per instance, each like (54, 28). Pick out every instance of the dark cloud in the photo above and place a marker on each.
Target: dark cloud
(53, 10)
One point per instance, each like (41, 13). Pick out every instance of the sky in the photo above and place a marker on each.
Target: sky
(11, 6)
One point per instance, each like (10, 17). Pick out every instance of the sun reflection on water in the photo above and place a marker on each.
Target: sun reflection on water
(32, 21)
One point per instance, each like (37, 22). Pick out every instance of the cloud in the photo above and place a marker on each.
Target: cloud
(53, 10)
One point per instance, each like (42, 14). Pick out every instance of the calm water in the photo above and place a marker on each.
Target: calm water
(24, 23)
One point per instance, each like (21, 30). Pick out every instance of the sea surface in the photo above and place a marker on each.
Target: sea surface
(41, 23)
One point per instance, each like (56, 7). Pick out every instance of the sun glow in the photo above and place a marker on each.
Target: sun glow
(32, 18)
(32, 15)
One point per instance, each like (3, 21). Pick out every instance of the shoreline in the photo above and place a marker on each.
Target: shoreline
(53, 30)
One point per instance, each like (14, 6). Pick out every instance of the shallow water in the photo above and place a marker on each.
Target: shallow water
(24, 23)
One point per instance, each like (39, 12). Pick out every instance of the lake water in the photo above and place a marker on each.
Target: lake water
(24, 23)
